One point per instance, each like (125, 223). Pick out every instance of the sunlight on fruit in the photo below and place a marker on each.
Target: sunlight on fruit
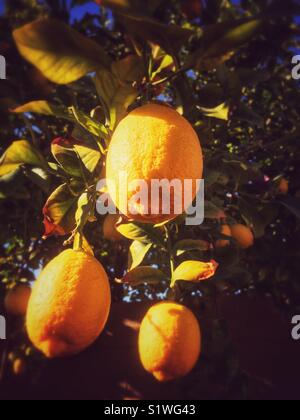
(153, 143)
(69, 306)
(149, 202)
(169, 341)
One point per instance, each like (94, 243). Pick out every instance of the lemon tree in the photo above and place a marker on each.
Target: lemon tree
(223, 70)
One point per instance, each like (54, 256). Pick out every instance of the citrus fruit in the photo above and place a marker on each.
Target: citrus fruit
(69, 305)
(153, 143)
(169, 341)
(283, 187)
(109, 228)
(16, 300)
(243, 235)
(226, 231)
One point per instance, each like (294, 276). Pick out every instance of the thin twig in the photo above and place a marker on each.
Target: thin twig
(29, 128)
(170, 250)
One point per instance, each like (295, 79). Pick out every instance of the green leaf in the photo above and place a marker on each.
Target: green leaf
(60, 209)
(219, 41)
(43, 108)
(56, 168)
(194, 271)
(20, 153)
(63, 151)
(85, 208)
(128, 70)
(77, 159)
(116, 88)
(39, 177)
(190, 245)
(98, 130)
(89, 156)
(220, 112)
(141, 275)
(71, 114)
(137, 253)
(166, 63)
(235, 37)
(142, 233)
(170, 37)
(58, 51)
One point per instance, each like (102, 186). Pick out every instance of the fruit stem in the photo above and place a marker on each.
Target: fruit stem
(148, 63)
(170, 250)
(106, 113)
(78, 241)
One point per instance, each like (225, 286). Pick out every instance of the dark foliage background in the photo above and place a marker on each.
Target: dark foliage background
(247, 150)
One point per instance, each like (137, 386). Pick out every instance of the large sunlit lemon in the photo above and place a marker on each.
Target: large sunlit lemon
(69, 305)
(169, 341)
(153, 143)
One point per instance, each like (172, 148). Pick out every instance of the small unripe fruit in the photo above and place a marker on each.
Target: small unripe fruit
(283, 187)
(109, 228)
(226, 231)
(243, 235)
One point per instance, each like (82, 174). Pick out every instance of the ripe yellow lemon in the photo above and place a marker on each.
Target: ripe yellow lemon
(226, 231)
(109, 228)
(243, 235)
(69, 305)
(169, 341)
(16, 300)
(153, 143)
